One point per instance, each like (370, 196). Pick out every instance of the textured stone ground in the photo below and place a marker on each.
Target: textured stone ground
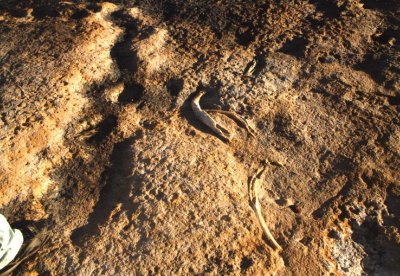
(99, 145)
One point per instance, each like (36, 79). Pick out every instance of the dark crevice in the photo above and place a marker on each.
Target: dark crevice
(104, 129)
(295, 47)
(119, 185)
(394, 100)
(93, 7)
(246, 263)
(170, 10)
(387, 36)
(245, 36)
(175, 86)
(323, 209)
(126, 57)
(261, 63)
(19, 13)
(45, 11)
(132, 93)
(295, 208)
(381, 4)
(327, 7)
(79, 14)
(375, 64)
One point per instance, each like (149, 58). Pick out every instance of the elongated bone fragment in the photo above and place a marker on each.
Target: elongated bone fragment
(239, 120)
(206, 119)
(255, 204)
(250, 68)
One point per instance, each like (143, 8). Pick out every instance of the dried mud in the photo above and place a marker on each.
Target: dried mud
(99, 145)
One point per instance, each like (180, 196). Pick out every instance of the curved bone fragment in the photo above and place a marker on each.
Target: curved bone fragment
(206, 119)
(255, 204)
(239, 120)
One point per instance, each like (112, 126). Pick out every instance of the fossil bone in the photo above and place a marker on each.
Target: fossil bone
(250, 68)
(239, 120)
(255, 204)
(206, 119)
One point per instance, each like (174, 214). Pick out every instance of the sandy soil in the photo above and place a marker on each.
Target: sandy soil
(99, 144)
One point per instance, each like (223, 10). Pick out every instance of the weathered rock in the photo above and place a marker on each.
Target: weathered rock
(98, 140)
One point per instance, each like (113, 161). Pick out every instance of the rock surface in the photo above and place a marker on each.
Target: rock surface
(99, 145)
